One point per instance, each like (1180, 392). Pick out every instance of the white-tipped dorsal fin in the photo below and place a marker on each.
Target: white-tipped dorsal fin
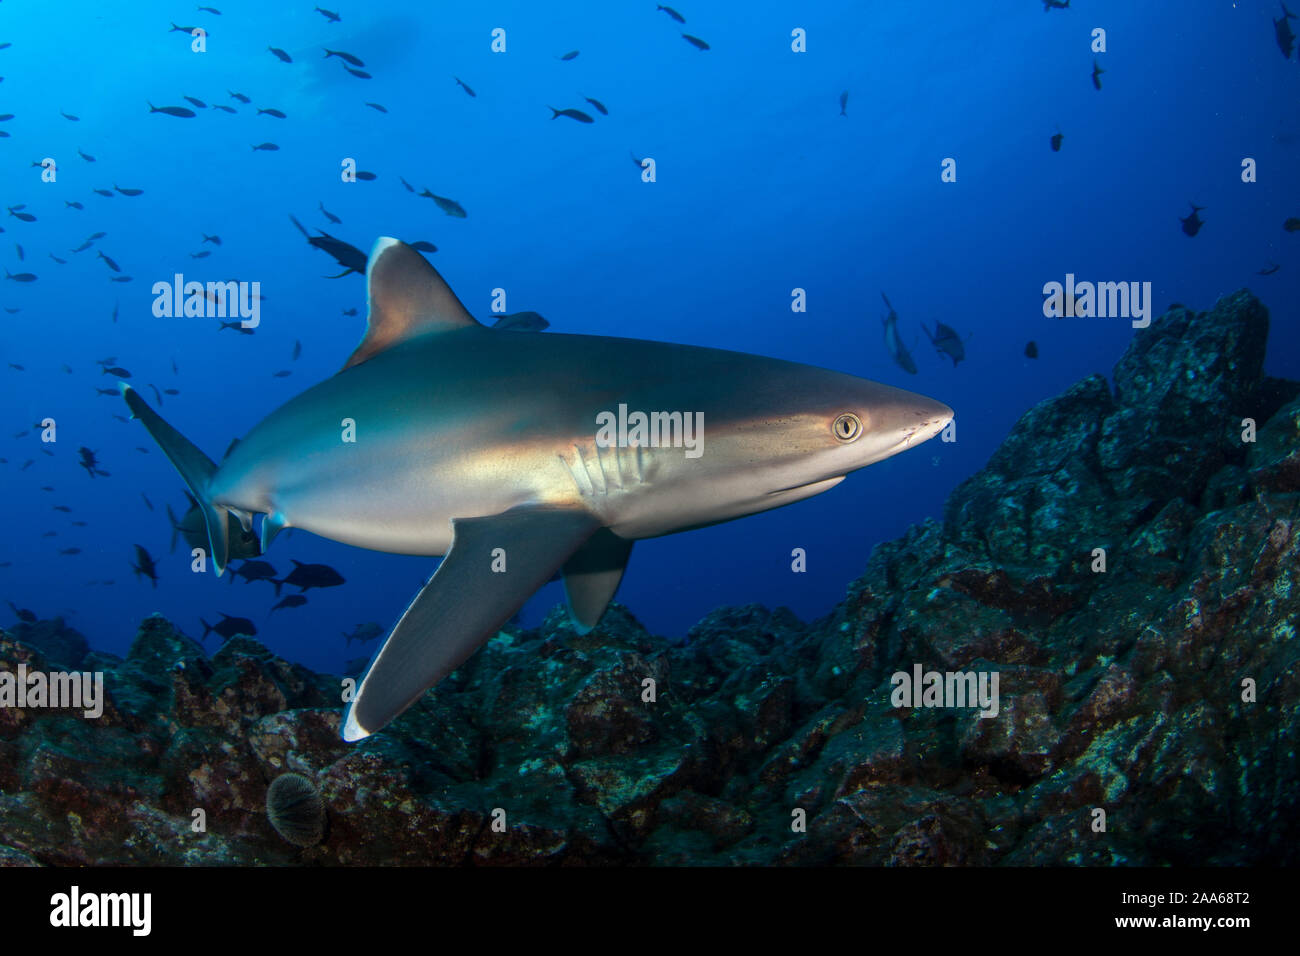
(407, 297)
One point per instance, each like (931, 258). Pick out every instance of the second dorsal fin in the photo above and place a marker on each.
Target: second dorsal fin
(407, 298)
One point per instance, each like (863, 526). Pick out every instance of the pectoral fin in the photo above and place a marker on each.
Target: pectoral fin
(592, 576)
(463, 605)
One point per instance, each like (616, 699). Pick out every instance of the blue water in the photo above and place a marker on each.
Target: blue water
(761, 187)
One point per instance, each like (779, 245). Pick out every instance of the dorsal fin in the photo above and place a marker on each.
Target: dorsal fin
(407, 297)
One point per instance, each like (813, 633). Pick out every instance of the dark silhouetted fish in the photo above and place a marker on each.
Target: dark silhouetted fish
(1031, 350)
(197, 102)
(180, 111)
(946, 341)
(6, 117)
(366, 177)
(108, 391)
(521, 322)
(893, 343)
(229, 626)
(201, 255)
(107, 193)
(18, 247)
(306, 576)
(409, 187)
(1273, 267)
(844, 102)
(70, 551)
(24, 615)
(212, 10)
(346, 57)
(1292, 224)
(147, 503)
(571, 55)
(269, 112)
(1282, 30)
(62, 262)
(578, 115)
(215, 240)
(238, 327)
(171, 391)
(86, 156)
(600, 107)
(114, 370)
(1096, 74)
(176, 29)
(292, 600)
(268, 147)
(284, 57)
(69, 116)
(109, 262)
(128, 191)
(144, 565)
(21, 277)
(24, 216)
(671, 12)
(90, 462)
(1192, 224)
(329, 15)
(283, 373)
(297, 349)
(73, 204)
(63, 508)
(449, 206)
(422, 246)
(239, 96)
(1057, 138)
(376, 106)
(464, 86)
(363, 633)
(695, 41)
(1049, 5)
(360, 74)
(348, 256)
(224, 108)
(328, 215)
(252, 571)
(119, 278)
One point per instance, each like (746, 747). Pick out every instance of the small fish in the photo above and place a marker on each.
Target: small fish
(19, 248)
(578, 115)
(297, 349)
(844, 102)
(422, 246)
(201, 255)
(329, 215)
(156, 394)
(62, 262)
(521, 322)
(21, 277)
(1031, 350)
(284, 57)
(78, 524)
(119, 278)
(176, 29)
(1049, 5)
(107, 193)
(147, 503)
(350, 312)
(128, 191)
(239, 96)
(376, 106)
(171, 391)
(672, 13)
(1192, 224)
(142, 450)
(6, 117)
(109, 262)
(346, 57)
(1292, 224)
(363, 633)
(464, 86)
(12, 311)
(97, 235)
(893, 343)
(268, 147)
(270, 112)
(115, 370)
(1096, 74)
(366, 177)
(73, 204)
(329, 15)
(292, 600)
(359, 74)
(1282, 30)
(197, 102)
(449, 206)
(90, 462)
(237, 327)
(86, 156)
(1057, 137)
(108, 391)
(70, 551)
(212, 10)
(1273, 267)
(409, 187)
(305, 576)
(180, 111)
(69, 116)
(283, 373)
(215, 240)
(24, 615)
(229, 626)
(946, 341)
(24, 216)
(252, 571)
(600, 107)
(695, 41)
(224, 108)
(20, 368)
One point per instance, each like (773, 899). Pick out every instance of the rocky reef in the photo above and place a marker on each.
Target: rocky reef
(1128, 564)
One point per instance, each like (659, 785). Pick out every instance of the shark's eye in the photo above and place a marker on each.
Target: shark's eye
(847, 427)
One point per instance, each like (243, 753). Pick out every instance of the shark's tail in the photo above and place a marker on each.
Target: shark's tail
(194, 466)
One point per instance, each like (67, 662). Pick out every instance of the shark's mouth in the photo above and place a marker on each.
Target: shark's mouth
(811, 487)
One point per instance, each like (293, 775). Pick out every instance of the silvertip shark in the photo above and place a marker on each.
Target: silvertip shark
(485, 446)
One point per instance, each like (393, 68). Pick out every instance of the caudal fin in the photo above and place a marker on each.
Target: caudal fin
(195, 468)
